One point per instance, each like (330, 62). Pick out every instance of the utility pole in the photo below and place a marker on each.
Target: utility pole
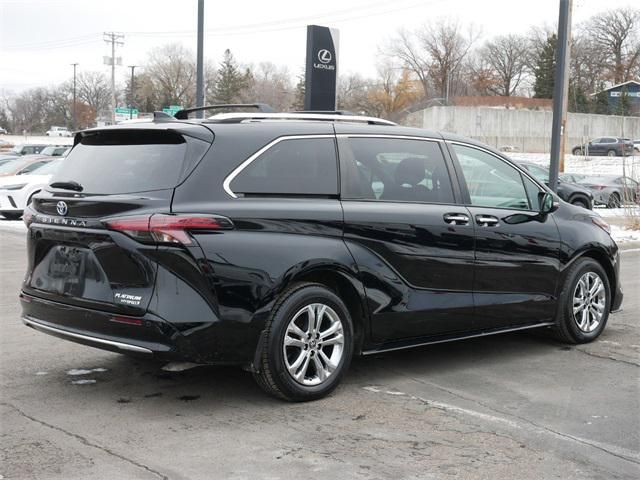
(560, 93)
(75, 65)
(199, 61)
(132, 92)
(114, 39)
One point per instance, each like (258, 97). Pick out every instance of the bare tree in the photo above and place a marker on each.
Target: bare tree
(93, 89)
(506, 56)
(447, 43)
(405, 49)
(272, 85)
(434, 53)
(616, 33)
(171, 70)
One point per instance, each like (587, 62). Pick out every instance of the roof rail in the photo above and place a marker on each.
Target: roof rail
(334, 112)
(261, 107)
(332, 117)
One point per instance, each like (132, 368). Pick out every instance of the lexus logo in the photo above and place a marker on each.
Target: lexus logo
(324, 56)
(62, 208)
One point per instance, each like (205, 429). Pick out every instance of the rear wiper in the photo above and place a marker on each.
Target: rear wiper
(70, 185)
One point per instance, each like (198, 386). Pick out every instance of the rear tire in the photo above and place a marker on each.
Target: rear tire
(12, 216)
(611, 153)
(577, 151)
(303, 359)
(584, 303)
(614, 201)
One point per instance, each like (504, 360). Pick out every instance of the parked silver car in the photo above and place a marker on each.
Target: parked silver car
(612, 190)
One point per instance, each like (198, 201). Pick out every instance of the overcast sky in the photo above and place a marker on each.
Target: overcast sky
(39, 39)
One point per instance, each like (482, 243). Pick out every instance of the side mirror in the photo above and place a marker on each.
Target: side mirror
(548, 203)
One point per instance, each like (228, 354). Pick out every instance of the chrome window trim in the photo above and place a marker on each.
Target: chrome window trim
(226, 185)
(387, 135)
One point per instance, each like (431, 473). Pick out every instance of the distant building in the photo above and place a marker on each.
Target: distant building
(628, 92)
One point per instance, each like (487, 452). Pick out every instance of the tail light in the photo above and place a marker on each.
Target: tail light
(161, 228)
(599, 187)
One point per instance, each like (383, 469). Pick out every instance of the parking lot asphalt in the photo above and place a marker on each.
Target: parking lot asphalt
(511, 406)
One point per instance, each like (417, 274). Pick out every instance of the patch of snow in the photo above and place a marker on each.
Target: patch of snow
(82, 371)
(12, 225)
(85, 381)
(622, 235)
(617, 212)
(586, 165)
(42, 373)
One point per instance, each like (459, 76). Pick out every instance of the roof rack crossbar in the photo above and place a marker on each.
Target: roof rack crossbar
(261, 107)
(241, 117)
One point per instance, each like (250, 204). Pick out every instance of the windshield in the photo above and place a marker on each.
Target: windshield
(11, 165)
(539, 172)
(47, 168)
(49, 150)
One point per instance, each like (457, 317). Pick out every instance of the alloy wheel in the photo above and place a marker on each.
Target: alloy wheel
(589, 302)
(313, 344)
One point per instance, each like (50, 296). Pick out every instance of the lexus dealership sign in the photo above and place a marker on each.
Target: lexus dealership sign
(321, 69)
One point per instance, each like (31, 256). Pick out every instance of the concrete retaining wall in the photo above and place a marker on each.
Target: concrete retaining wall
(527, 130)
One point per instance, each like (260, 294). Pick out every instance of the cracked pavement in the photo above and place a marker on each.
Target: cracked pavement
(510, 406)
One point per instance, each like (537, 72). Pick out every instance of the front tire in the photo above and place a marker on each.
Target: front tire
(307, 346)
(11, 215)
(611, 153)
(585, 302)
(577, 151)
(579, 202)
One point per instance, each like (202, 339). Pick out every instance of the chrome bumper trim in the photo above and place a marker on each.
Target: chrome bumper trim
(122, 346)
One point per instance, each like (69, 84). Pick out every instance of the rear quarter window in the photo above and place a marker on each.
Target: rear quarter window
(304, 166)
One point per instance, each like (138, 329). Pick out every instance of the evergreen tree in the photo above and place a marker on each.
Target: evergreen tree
(298, 103)
(578, 100)
(545, 69)
(624, 104)
(230, 81)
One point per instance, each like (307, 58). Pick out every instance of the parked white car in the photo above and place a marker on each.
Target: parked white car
(59, 132)
(16, 191)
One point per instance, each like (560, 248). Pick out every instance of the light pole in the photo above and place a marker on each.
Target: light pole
(75, 65)
(132, 92)
(199, 60)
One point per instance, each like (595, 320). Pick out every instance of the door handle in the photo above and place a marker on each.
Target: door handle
(487, 220)
(456, 218)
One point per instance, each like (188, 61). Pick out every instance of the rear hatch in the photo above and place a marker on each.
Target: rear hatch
(78, 254)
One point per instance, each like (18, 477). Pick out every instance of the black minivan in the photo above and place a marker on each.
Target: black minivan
(288, 243)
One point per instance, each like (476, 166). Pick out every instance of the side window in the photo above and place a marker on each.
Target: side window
(596, 140)
(305, 166)
(491, 182)
(533, 193)
(394, 170)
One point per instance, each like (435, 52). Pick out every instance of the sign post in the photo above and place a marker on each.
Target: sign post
(121, 114)
(321, 72)
(172, 109)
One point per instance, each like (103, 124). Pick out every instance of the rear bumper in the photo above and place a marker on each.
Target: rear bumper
(147, 335)
(84, 339)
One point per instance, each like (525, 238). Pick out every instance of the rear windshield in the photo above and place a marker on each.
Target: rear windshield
(129, 161)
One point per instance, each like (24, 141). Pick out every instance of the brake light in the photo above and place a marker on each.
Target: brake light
(599, 187)
(161, 228)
